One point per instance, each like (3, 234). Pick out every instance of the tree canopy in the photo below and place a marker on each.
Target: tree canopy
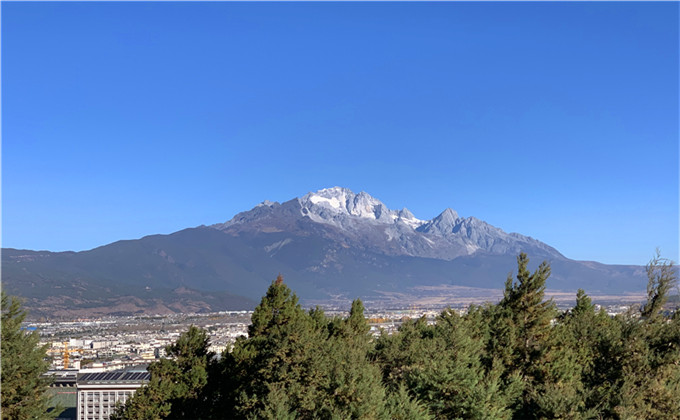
(517, 359)
(23, 365)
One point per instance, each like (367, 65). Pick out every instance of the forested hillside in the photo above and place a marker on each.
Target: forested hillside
(518, 359)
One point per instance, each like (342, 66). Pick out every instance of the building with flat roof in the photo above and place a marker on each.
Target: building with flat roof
(100, 393)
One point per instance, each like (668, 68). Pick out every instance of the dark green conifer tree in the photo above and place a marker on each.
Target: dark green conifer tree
(280, 367)
(441, 366)
(649, 371)
(558, 390)
(586, 334)
(23, 364)
(355, 388)
(402, 406)
(662, 277)
(631, 362)
(522, 326)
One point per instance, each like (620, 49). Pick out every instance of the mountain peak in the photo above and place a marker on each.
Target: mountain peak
(443, 224)
(406, 214)
(331, 198)
(332, 192)
(267, 203)
(450, 215)
(330, 203)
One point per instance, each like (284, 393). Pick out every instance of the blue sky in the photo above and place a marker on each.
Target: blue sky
(554, 120)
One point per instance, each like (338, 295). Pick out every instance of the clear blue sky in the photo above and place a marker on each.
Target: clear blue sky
(554, 120)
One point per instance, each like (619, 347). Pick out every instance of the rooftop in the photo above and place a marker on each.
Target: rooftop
(127, 376)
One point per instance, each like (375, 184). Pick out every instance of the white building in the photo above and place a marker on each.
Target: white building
(100, 393)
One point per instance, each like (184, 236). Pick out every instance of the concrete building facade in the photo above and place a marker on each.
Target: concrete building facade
(100, 393)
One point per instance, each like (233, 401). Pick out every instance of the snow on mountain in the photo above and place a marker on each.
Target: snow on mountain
(330, 205)
(363, 221)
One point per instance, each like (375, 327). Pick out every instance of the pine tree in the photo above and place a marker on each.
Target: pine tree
(442, 366)
(650, 352)
(588, 335)
(567, 352)
(662, 276)
(355, 385)
(23, 364)
(303, 365)
(635, 368)
(283, 356)
(525, 320)
(531, 315)
(402, 406)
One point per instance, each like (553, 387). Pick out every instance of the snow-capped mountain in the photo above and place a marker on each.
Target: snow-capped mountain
(362, 221)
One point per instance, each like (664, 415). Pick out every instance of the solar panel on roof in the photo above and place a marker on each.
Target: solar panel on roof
(114, 376)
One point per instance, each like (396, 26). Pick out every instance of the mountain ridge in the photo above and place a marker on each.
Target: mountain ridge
(329, 244)
(446, 236)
